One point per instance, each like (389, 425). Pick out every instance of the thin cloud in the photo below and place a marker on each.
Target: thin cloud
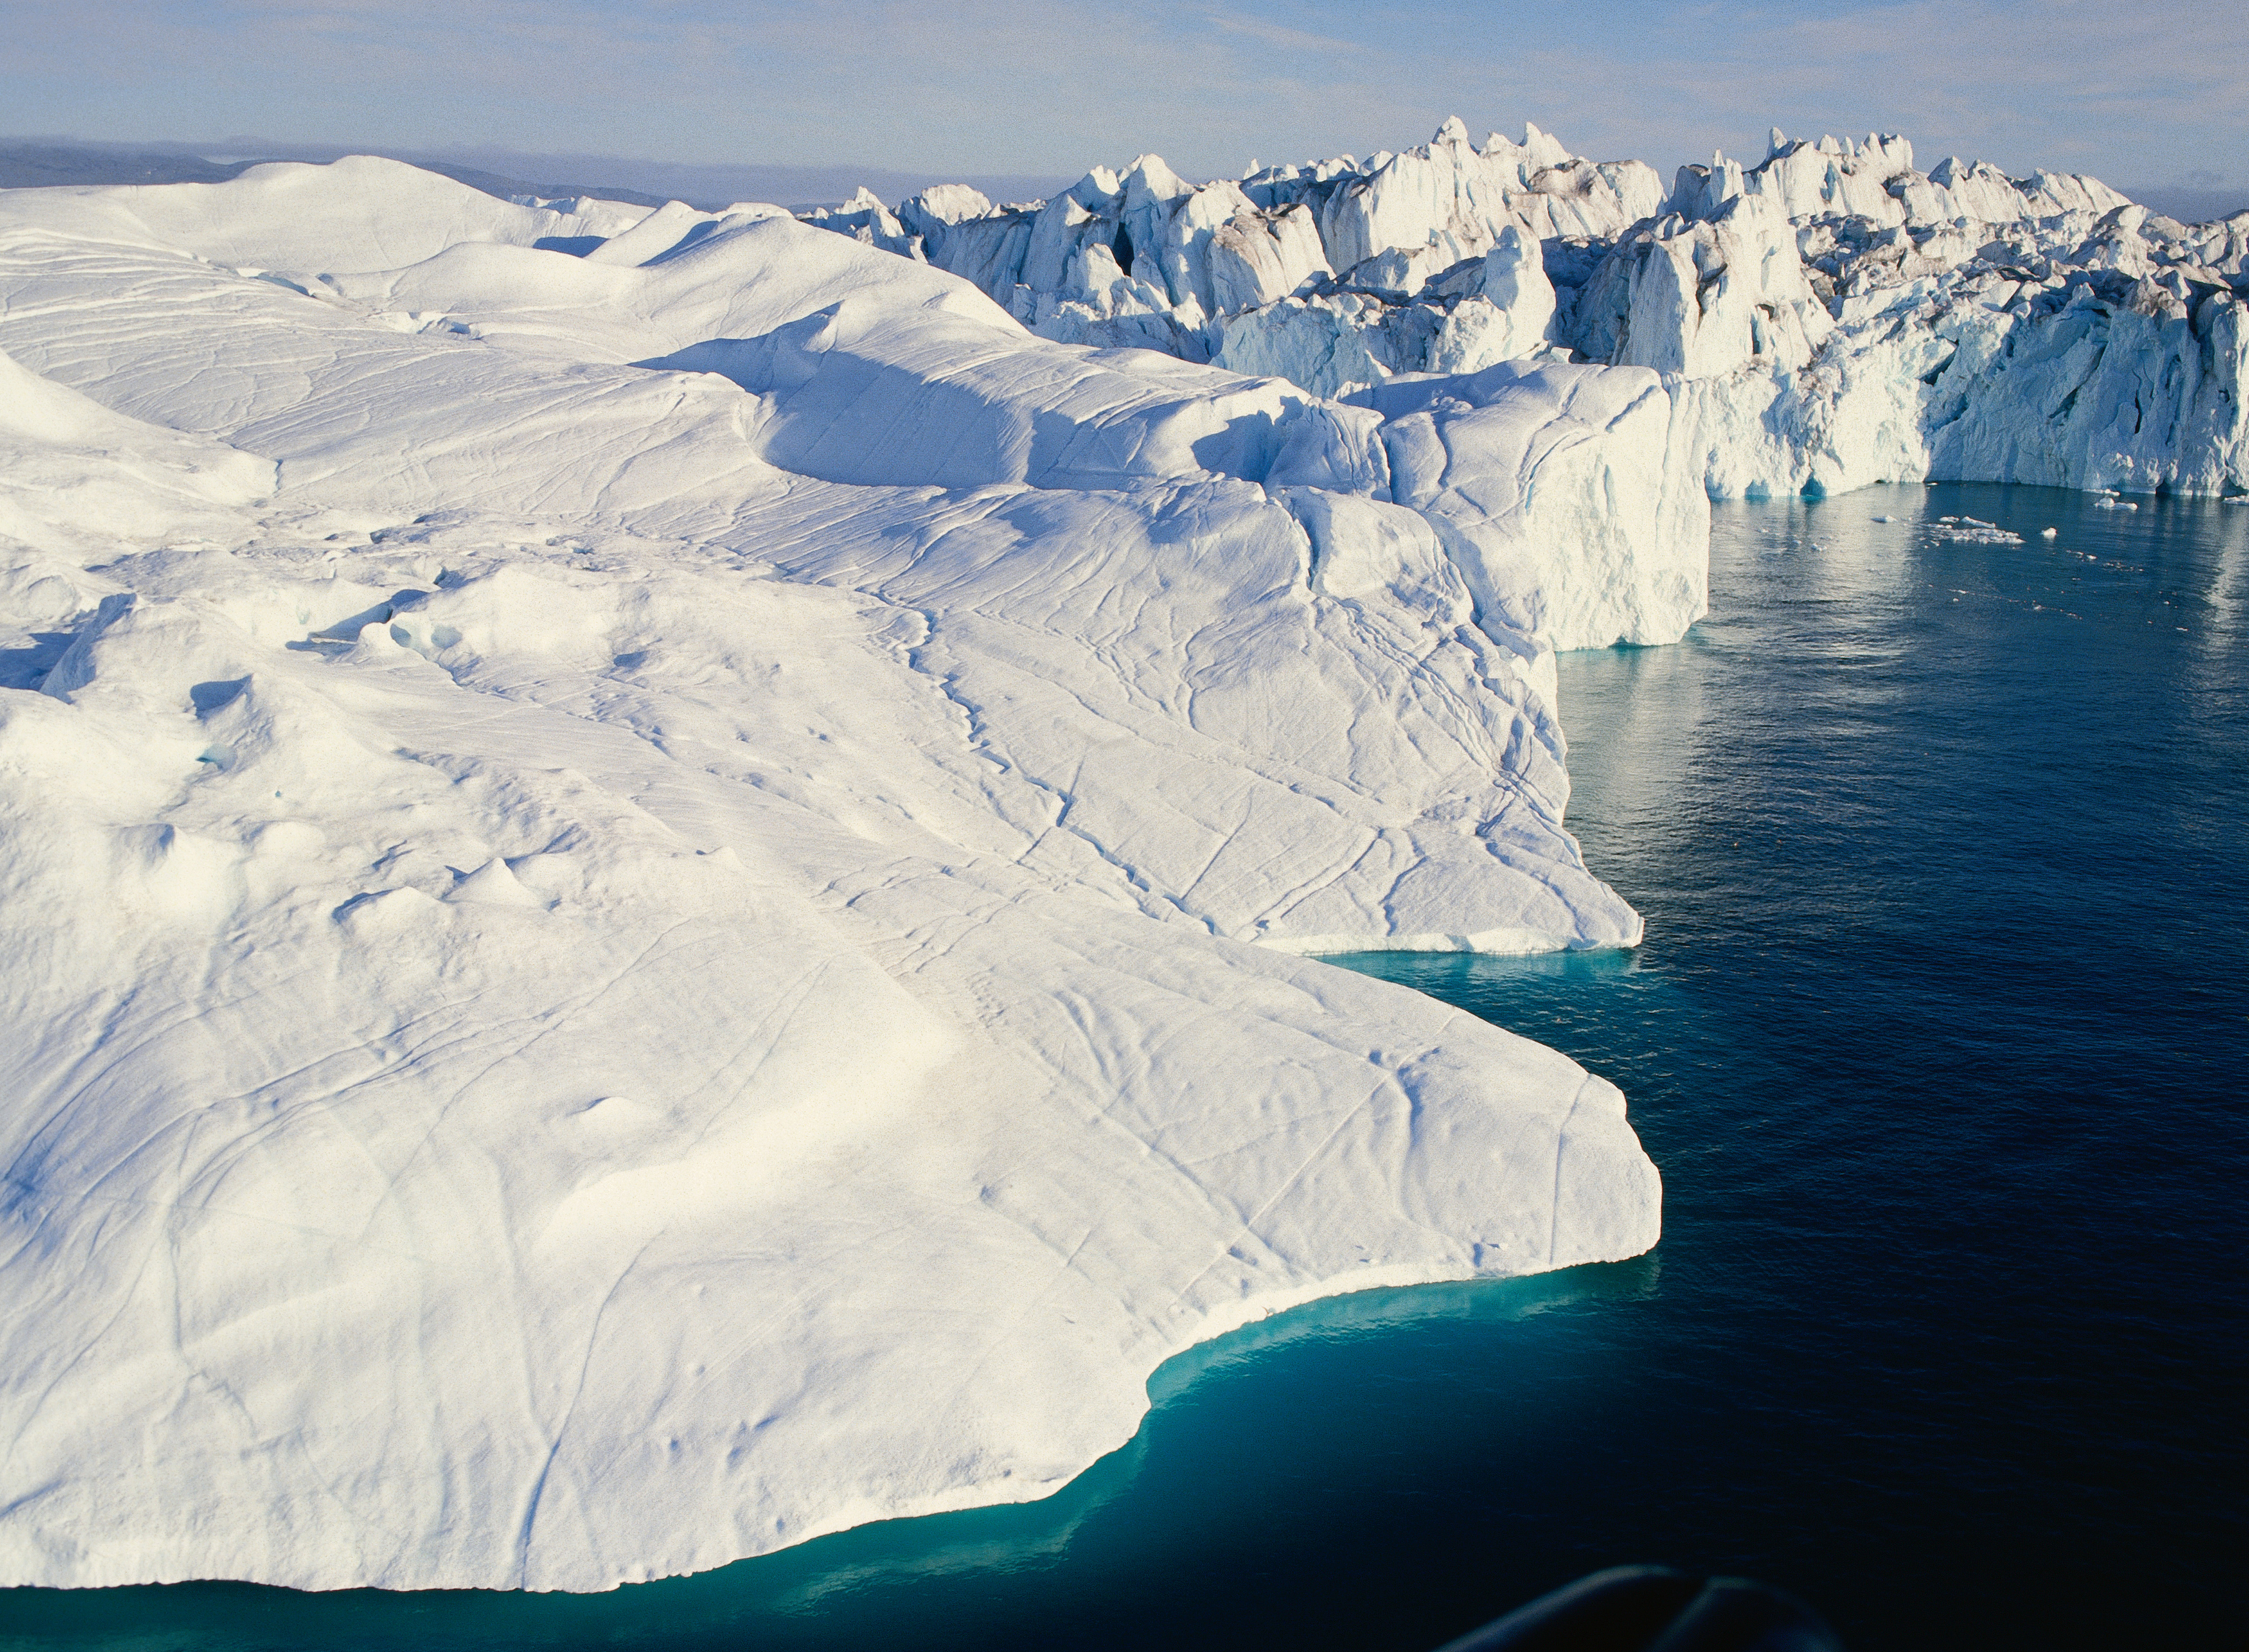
(1276, 34)
(2129, 90)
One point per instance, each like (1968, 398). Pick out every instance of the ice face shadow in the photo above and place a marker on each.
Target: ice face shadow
(1016, 418)
(27, 667)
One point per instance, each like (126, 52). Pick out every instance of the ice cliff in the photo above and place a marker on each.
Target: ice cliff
(1828, 318)
(653, 866)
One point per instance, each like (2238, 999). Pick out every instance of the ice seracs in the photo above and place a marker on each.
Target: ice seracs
(652, 864)
(1823, 319)
(1226, 270)
(1983, 329)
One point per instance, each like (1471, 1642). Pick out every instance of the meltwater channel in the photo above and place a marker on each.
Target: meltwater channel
(1941, 1038)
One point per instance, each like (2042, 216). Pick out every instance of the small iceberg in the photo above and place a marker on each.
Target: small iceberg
(1969, 530)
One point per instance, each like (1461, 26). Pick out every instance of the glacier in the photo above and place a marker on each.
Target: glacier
(664, 869)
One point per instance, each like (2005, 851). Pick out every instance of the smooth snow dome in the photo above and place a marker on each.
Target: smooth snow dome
(653, 898)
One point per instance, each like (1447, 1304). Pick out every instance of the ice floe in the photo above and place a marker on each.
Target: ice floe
(1968, 530)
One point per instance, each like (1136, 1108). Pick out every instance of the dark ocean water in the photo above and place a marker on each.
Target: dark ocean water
(1941, 1038)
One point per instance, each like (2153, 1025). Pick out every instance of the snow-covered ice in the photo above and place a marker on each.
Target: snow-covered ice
(653, 868)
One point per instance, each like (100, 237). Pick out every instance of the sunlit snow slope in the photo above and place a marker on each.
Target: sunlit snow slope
(651, 883)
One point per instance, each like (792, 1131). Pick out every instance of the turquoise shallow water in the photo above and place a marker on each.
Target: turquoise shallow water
(1941, 1038)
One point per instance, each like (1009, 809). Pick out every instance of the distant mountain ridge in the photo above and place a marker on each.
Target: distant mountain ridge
(39, 162)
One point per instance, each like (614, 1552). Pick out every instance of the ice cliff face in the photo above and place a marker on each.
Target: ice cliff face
(1828, 318)
(1958, 325)
(651, 863)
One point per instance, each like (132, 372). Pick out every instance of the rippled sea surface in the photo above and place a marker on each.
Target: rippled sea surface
(1941, 1038)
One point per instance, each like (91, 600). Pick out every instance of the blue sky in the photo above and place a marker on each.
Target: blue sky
(2137, 93)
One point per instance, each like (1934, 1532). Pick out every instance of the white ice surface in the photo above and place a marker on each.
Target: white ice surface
(630, 882)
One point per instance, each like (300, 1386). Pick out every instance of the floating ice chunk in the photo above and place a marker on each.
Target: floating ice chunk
(1968, 531)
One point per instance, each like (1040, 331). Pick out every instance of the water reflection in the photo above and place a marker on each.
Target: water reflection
(1935, 1040)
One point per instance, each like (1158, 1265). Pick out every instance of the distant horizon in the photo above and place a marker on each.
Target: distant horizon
(709, 184)
(2149, 98)
(703, 184)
